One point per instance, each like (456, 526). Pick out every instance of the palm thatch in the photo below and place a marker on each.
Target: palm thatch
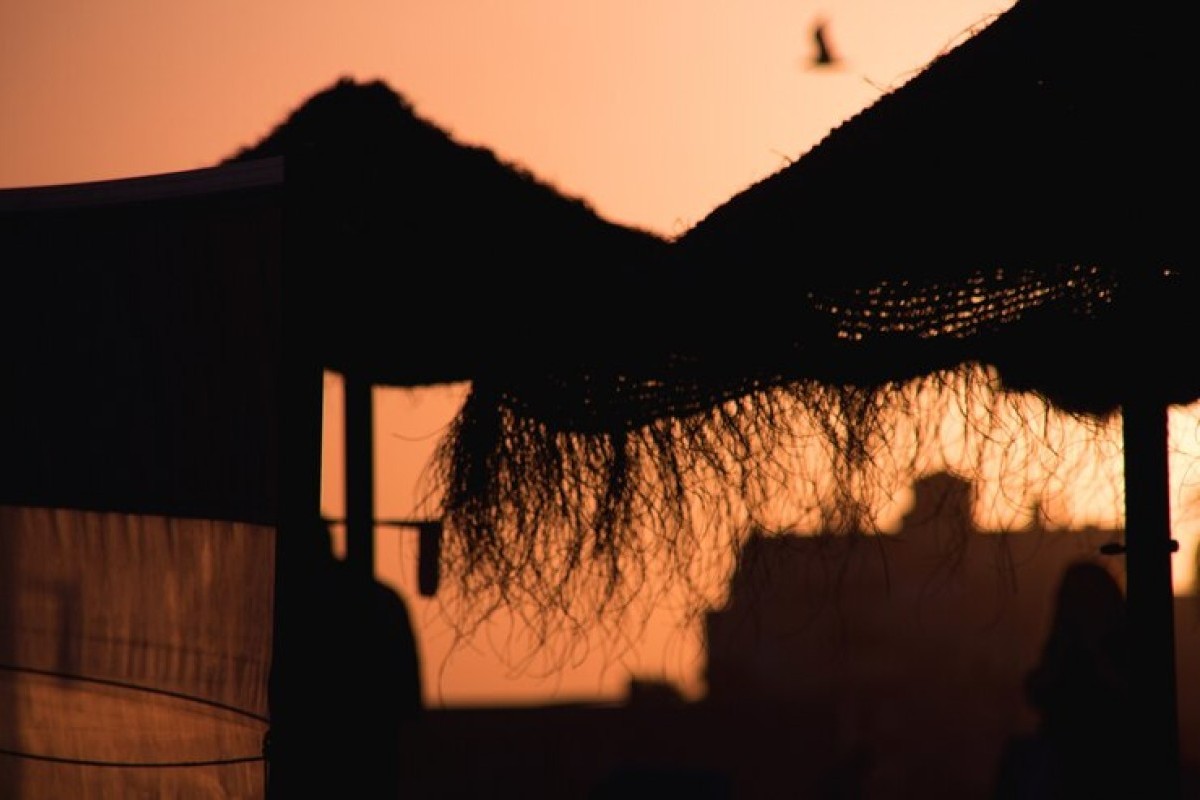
(437, 261)
(978, 244)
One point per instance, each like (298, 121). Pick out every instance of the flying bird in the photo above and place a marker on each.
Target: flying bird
(824, 56)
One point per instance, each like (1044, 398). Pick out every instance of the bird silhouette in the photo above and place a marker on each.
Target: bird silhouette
(824, 56)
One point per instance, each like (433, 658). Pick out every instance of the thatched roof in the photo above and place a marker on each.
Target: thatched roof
(437, 261)
(1000, 224)
(999, 207)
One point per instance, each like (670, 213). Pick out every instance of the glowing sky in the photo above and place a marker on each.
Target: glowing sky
(653, 110)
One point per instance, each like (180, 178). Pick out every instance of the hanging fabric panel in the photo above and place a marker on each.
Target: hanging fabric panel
(139, 484)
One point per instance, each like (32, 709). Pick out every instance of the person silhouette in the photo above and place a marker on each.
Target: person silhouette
(359, 670)
(1080, 689)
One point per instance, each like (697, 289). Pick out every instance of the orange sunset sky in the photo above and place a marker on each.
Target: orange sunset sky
(654, 111)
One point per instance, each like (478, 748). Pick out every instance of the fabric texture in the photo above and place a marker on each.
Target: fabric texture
(139, 484)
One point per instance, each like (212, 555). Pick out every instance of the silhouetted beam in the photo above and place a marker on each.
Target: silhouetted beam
(360, 477)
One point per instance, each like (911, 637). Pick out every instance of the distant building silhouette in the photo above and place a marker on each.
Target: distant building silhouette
(865, 666)
(921, 640)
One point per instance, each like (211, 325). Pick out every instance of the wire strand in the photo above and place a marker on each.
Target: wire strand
(136, 688)
(91, 762)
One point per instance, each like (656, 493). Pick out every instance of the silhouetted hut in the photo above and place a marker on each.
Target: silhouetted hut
(164, 346)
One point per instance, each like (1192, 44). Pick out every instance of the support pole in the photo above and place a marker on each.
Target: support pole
(1150, 595)
(295, 741)
(360, 478)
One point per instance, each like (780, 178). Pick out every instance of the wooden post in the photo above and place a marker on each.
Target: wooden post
(1150, 596)
(360, 478)
(290, 767)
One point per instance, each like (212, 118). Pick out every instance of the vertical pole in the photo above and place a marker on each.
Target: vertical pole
(360, 478)
(1150, 595)
(294, 737)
